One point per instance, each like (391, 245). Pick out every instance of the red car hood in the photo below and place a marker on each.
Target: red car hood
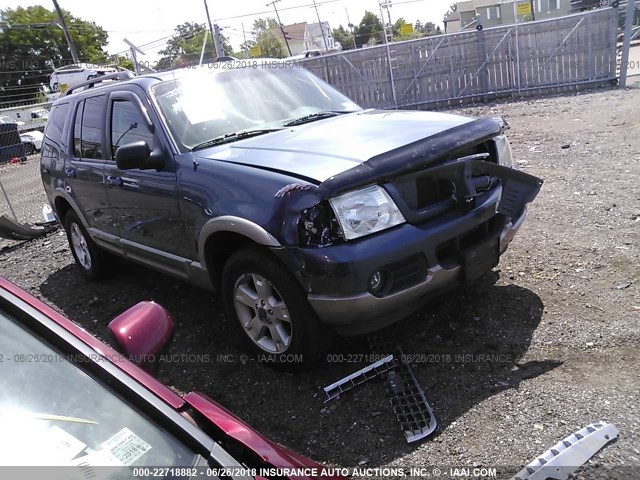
(270, 452)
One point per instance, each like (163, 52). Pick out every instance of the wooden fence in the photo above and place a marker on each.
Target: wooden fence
(570, 52)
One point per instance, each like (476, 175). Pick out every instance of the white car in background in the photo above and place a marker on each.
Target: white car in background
(6, 119)
(40, 114)
(32, 141)
(70, 75)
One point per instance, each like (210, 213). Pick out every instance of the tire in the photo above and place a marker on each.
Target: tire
(271, 311)
(92, 262)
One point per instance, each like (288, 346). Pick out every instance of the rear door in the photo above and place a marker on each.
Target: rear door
(145, 202)
(85, 170)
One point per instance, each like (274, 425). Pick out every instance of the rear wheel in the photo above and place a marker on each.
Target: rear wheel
(271, 310)
(91, 261)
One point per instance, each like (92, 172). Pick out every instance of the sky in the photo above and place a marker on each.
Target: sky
(144, 21)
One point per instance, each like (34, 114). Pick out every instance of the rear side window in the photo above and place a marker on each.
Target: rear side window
(56, 122)
(92, 127)
(128, 125)
(77, 131)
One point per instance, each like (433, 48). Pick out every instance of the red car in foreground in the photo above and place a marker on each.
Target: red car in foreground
(70, 401)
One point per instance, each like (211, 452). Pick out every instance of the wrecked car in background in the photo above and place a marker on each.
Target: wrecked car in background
(308, 214)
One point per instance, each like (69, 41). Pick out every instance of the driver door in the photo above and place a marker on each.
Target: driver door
(144, 202)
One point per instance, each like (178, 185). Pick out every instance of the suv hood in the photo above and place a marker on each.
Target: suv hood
(319, 150)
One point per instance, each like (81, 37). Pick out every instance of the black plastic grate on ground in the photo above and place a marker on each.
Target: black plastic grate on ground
(409, 403)
(408, 399)
(361, 376)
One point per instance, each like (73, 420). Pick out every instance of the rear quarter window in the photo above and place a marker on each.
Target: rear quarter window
(56, 122)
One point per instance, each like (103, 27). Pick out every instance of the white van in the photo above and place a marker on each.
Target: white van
(71, 75)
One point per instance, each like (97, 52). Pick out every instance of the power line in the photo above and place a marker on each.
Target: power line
(281, 9)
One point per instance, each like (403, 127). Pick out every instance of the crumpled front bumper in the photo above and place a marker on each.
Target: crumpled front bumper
(365, 312)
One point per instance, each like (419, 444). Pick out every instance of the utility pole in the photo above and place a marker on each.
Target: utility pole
(391, 79)
(67, 37)
(133, 50)
(350, 25)
(324, 39)
(217, 40)
(206, 9)
(386, 4)
(284, 35)
(626, 42)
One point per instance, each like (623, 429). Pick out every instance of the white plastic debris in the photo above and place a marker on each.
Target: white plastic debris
(47, 213)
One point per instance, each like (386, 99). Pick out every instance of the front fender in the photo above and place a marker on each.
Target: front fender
(241, 226)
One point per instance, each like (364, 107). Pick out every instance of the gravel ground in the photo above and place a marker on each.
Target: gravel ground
(542, 346)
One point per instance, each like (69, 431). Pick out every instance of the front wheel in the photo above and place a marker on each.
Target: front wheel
(91, 261)
(271, 310)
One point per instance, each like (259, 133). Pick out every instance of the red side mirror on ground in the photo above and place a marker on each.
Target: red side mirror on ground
(141, 332)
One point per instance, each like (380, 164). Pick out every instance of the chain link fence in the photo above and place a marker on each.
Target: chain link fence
(22, 197)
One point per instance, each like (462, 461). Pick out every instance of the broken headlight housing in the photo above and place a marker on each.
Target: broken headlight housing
(503, 149)
(365, 211)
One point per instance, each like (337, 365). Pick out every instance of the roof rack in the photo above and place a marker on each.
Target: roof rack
(100, 79)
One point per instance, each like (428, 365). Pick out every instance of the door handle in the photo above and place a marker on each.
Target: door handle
(70, 172)
(114, 181)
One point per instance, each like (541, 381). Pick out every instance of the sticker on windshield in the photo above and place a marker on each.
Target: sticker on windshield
(126, 446)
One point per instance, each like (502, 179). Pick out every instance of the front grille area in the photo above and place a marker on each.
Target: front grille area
(448, 253)
(426, 191)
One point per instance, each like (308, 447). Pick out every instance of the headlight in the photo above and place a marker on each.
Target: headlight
(365, 211)
(504, 151)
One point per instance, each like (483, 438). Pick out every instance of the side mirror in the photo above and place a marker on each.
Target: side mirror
(141, 332)
(137, 155)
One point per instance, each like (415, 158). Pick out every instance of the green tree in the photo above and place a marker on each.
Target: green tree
(398, 37)
(31, 45)
(369, 30)
(429, 29)
(121, 62)
(395, 28)
(271, 46)
(344, 38)
(185, 47)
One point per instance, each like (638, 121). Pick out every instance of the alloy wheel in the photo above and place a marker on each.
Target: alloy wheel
(80, 247)
(263, 313)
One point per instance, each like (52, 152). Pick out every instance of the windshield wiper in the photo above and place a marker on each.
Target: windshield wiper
(232, 137)
(315, 116)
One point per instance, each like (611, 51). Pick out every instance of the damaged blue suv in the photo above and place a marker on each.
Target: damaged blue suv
(308, 214)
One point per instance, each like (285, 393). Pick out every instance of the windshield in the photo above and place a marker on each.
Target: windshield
(203, 104)
(53, 414)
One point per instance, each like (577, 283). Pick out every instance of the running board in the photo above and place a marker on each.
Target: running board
(568, 455)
